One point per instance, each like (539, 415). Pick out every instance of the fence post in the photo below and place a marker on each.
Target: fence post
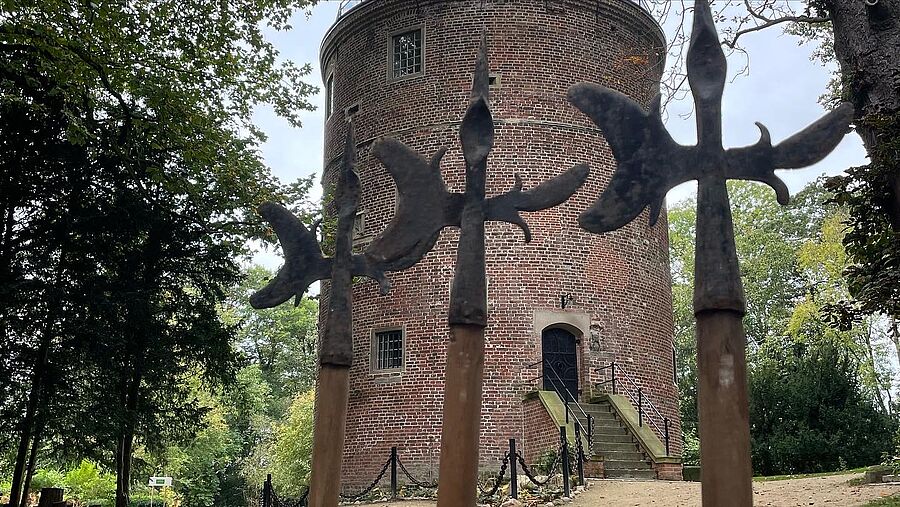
(666, 424)
(267, 491)
(613, 365)
(579, 454)
(394, 472)
(640, 407)
(564, 447)
(513, 474)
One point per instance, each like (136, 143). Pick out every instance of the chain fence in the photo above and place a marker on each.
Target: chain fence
(488, 491)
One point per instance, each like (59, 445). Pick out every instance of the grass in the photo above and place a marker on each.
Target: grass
(888, 501)
(806, 476)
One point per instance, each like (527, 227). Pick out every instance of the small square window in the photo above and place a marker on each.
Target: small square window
(387, 350)
(359, 225)
(406, 53)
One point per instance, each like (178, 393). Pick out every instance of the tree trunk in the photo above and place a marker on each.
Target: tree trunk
(29, 472)
(870, 357)
(867, 45)
(895, 336)
(126, 439)
(27, 426)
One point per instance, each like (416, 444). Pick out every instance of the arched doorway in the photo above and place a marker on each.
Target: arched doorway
(560, 362)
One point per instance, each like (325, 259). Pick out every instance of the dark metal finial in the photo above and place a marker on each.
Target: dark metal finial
(650, 162)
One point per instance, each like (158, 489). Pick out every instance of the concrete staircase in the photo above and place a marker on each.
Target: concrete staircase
(615, 445)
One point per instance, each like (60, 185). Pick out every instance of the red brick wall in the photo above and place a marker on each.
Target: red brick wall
(620, 280)
(668, 471)
(541, 433)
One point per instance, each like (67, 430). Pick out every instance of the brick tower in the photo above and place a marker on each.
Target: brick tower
(403, 68)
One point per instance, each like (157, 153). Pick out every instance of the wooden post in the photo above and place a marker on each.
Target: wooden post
(50, 496)
(328, 444)
(462, 417)
(724, 412)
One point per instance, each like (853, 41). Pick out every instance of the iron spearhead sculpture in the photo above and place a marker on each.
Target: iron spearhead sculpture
(650, 163)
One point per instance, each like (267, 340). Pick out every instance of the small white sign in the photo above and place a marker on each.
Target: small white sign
(159, 482)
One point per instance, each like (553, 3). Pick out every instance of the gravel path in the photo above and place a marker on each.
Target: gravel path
(830, 491)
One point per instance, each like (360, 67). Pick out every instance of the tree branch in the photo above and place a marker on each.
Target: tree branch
(769, 22)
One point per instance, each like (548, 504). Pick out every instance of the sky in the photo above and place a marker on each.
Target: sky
(780, 91)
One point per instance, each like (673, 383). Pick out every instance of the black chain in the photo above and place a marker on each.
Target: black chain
(289, 502)
(498, 481)
(551, 472)
(368, 490)
(413, 479)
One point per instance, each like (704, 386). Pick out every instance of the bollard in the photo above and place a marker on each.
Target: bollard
(513, 474)
(394, 472)
(565, 460)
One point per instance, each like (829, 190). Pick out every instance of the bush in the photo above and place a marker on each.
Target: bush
(47, 478)
(808, 413)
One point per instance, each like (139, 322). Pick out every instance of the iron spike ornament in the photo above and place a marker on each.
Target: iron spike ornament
(650, 163)
(424, 208)
(431, 208)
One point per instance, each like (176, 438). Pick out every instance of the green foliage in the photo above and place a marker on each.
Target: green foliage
(808, 413)
(690, 455)
(281, 341)
(812, 386)
(47, 478)
(872, 240)
(291, 447)
(88, 483)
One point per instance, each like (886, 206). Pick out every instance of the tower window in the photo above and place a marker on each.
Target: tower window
(406, 53)
(387, 350)
(329, 96)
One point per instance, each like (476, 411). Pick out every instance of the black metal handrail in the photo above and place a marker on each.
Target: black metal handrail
(636, 395)
(569, 397)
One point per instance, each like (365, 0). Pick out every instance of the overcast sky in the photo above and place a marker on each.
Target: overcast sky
(780, 91)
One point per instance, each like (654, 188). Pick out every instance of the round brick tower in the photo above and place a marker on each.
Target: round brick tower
(403, 68)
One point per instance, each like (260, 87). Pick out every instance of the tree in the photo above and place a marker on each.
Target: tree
(808, 414)
(157, 103)
(791, 260)
(766, 237)
(280, 340)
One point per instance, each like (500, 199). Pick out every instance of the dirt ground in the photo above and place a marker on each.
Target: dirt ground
(831, 491)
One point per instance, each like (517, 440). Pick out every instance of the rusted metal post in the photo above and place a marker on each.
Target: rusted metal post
(649, 164)
(398, 247)
(394, 472)
(424, 207)
(513, 473)
(564, 462)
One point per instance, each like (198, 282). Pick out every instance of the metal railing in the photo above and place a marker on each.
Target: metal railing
(621, 382)
(568, 398)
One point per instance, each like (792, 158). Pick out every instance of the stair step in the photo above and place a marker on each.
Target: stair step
(604, 446)
(601, 440)
(611, 464)
(632, 455)
(609, 431)
(630, 474)
(598, 419)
